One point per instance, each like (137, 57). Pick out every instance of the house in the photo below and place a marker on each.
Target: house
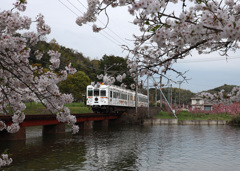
(201, 104)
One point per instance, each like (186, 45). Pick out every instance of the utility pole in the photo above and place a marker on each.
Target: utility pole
(136, 94)
(171, 94)
(105, 69)
(148, 94)
(179, 93)
(179, 101)
(173, 111)
(155, 96)
(168, 91)
(161, 93)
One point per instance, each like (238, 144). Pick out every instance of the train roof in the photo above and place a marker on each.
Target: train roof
(115, 87)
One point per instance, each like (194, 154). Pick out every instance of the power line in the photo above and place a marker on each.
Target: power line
(206, 60)
(118, 43)
(68, 7)
(82, 4)
(75, 7)
(104, 24)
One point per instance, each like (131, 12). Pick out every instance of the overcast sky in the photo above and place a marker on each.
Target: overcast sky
(205, 71)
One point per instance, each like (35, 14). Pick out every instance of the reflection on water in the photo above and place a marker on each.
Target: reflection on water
(141, 148)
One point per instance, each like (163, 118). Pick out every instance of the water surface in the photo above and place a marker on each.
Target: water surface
(161, 147)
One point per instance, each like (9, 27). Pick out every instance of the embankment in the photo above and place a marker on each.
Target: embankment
(184, 122)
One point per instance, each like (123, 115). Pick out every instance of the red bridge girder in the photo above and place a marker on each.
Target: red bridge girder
(38, 120)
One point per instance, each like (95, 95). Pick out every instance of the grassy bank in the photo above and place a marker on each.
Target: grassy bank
(38, 108)
(184, 115)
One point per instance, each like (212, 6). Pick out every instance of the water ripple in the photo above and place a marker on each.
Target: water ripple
(131, 148)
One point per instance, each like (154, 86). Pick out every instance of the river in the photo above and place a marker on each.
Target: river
(130, 148)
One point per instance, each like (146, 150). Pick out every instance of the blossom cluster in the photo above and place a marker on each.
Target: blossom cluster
(65, 116)
(231, 109)
(20, 5)
(5, 160)
(119, 78)
(89, 16)
(108, 80)
(169, 34)
(20, 80)
(222, 97)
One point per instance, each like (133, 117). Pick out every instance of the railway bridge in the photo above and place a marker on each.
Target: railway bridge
(50, 124)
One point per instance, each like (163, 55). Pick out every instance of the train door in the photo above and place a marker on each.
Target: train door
(96, 96)
(134, 100)
(110, 97)
(130, 99)
(103, 97)
(115, 97)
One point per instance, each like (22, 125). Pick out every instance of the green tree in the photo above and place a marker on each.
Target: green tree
(106, 64)
(76, 85)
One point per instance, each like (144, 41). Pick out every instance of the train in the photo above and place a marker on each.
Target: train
(113, 99)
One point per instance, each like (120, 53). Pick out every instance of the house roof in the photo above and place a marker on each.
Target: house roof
(196, 97)
(207, 103)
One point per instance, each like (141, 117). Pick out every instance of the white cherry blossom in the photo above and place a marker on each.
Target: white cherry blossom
(168, 34)
(20, 80)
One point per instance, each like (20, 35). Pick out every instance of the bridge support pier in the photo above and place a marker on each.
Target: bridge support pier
(85, 125)
(20, 135)
(117, 121)
(102, 123)
(54, 129)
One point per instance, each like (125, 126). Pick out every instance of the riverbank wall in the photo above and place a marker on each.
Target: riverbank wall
(145, 116)
(133, 117)
(184, 122)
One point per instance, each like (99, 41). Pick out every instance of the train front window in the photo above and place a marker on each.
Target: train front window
(103, 92)
(90, 93)
(96, 92)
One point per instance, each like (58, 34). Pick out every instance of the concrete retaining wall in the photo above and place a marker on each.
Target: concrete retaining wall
(184, 122)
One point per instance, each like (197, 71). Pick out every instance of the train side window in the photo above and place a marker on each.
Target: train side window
(103, 93)
(96, 92)
(90, 93)
(114, 94)
(110, 94)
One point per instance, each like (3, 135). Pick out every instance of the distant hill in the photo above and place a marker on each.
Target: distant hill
(227, 88)
(185, 95)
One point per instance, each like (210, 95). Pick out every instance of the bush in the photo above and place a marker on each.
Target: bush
(235, 120)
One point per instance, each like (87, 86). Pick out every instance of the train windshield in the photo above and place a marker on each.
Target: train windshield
(96, 92)
(90, 93)
(103, 92)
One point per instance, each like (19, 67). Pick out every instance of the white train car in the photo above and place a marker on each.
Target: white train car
(110, 98)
